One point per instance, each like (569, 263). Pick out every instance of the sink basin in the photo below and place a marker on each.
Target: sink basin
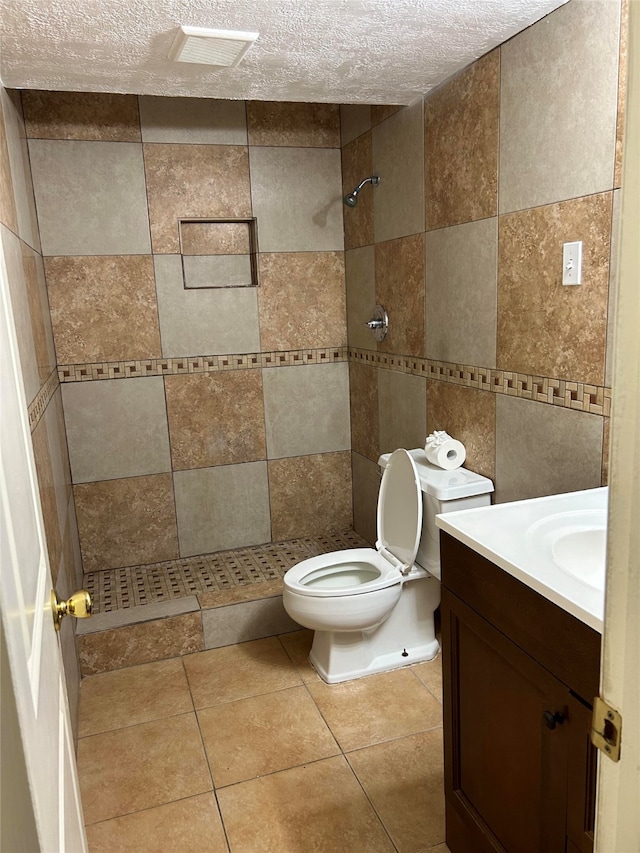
(556, 545)
(583, 554)
(575, 541)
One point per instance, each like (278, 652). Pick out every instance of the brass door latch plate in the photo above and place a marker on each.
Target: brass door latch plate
(606, 729)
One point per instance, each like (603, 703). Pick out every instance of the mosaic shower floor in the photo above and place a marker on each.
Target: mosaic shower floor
(132, 586)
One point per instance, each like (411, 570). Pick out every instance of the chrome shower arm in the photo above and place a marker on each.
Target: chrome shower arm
(351, 199)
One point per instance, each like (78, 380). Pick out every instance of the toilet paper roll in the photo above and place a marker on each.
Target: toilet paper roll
(444, 451)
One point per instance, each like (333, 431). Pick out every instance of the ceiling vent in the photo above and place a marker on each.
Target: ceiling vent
(211, 47)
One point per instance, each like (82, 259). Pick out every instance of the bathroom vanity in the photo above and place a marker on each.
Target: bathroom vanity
(520, 675)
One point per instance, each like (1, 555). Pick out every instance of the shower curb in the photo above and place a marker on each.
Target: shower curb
(169, 629)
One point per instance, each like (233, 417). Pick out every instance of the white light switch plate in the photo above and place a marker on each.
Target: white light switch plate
(572, 263)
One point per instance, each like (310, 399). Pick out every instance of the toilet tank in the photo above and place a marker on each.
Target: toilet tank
(442, 491)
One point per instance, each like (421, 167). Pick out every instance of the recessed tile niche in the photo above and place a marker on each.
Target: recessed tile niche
(218, 253)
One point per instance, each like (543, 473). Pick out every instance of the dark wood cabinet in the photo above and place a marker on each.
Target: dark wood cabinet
(519, 677)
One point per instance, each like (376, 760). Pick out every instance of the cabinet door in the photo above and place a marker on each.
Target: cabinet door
(581, 783)
(505, 768)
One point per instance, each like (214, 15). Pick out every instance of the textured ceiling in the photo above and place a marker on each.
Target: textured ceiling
(340, 51)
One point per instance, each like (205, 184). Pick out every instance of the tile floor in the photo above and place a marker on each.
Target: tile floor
(244, 749)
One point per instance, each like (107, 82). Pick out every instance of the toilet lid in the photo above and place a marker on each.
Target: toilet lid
(400, 508)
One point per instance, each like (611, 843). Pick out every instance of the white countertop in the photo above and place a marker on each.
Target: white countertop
(517, 537)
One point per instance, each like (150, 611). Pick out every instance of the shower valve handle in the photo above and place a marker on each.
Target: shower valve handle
(379, 323)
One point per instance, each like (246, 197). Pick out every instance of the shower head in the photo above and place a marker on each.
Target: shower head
(351, 199)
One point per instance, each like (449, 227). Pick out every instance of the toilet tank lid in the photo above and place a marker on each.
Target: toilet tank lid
(445, 485)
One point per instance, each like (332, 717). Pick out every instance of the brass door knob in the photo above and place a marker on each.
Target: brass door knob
(79, 605)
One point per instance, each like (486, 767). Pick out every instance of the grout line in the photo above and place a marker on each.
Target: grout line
(138, 723)
(206, 755)
(370, 801)
(150, 808)
(393, 739)
(282, 770)
(418, 663)
(134, 725)
(222, 822)
(186, 679)
(251, 695)
(147, 199)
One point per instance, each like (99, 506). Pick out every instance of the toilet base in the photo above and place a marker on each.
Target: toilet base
(406, 637)
(344, 671)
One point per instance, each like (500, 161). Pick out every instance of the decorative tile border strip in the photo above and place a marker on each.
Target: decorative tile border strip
(581, 396)
(42, 399)
(595, 399)
(198, 364)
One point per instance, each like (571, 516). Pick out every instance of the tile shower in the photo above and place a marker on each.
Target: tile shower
(178, 386)
(483, 339)
(184, 440)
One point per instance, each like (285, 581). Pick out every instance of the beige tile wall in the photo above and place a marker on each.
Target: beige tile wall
(225, 407)
(558, 106)
(20, 246)
(519, 151)
(473, 185)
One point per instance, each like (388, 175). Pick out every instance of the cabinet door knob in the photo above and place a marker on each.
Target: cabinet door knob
(551, 719)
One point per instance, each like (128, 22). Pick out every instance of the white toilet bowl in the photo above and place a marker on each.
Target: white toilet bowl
(372, 610)
(350, 590)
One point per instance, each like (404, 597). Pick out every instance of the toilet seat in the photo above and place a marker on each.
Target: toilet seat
(326, 575)
(356, 571)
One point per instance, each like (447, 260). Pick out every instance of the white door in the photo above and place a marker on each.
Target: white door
(618, 819)
(32, 642)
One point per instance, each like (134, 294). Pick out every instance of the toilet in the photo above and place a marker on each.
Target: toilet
(372, 610)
